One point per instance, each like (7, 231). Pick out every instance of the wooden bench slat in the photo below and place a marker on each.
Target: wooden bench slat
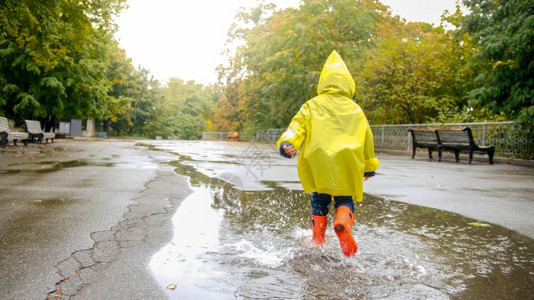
(424, 138)
(456, 140)
(35, 131)
(8, 134)
(461, 140)
(233, 136)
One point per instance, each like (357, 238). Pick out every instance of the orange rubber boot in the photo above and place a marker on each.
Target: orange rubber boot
(342, 226)
(319, 228)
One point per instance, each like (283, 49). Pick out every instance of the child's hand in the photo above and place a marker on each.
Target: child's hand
(368, 175)
(289, 150)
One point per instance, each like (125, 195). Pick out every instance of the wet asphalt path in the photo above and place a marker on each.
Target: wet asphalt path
(501, 194)
(83, 218)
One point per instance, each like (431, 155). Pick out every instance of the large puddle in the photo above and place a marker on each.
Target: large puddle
(234, 243)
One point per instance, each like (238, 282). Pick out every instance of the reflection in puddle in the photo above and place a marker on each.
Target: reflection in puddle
(54, 166)
(196, 234)
(231, 243)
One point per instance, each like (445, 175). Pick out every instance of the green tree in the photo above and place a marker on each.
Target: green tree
(53, 57)
(123, 78)
(189, 108)
(404, 76)
(227, 115)
(131, 91)
(147, 107)
(460, 49)
(282, 53)
(503, 31)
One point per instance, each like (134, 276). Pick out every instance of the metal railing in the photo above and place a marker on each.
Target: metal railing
(507, 137)
(214, 136)
(268, 135)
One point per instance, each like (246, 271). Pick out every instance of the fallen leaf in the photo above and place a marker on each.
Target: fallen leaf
(172, 286)
(478, 224)
(37, 200)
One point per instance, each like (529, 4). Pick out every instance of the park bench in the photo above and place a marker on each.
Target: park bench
(424, 138)
(7, 134)
(461, 140)
(233, 136)
(35, 131)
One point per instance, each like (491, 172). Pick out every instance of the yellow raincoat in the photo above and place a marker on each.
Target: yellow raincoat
(334, 137)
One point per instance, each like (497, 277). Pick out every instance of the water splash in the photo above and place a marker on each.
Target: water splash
(255, 244)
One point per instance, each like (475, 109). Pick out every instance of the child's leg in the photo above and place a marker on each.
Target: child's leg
(319, 204)
(344, 201)
(343, 224)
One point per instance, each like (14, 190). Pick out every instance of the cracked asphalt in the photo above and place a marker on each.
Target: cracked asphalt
(82, 218)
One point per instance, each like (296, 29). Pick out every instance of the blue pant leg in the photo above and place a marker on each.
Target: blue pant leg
(319, 204)
(344, 201)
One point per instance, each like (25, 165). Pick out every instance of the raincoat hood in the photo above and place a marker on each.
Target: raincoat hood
(335, 77)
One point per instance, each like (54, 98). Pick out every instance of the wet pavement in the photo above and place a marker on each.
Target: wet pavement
(82, 218)
(159, 219)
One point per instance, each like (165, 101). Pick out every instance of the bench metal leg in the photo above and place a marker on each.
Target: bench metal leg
(413, 150)
(439, 155)
(3, 140)
(32, 138)
(38, 138)
(429, 153)
(470, 156)
(457, 155)
(491, 152)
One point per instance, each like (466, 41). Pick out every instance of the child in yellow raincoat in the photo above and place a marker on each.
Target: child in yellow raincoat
(336, 151)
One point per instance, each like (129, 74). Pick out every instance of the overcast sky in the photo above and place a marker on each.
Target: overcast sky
(177, 38)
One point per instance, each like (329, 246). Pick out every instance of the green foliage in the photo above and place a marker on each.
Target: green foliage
(503, 30)
(189, 127)
(189, 108)
(277, 68)
(405, 72)
(179, 109)
(54, 57)
(58, 58)
(227, 114)
(145, 109)
(127, 85)
(403, 76)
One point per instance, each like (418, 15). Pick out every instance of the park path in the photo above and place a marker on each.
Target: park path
(83, 217)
